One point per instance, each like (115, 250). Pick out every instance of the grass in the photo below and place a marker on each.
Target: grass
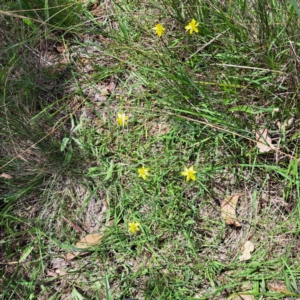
(68, 68)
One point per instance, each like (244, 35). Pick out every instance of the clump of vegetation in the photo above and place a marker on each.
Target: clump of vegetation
(149, 151)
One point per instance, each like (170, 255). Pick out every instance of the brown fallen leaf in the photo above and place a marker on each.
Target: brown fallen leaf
(228, 208)
(279, 287)
(61, 272)
(247, 297)
(51, 273)
(6, 176)
(86, 242)
(247, 248)
(58, 263)
(264, 142)
(243, 297)
(60, 48)
(285, 125)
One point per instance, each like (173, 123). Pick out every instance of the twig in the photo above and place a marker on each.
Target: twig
(73, 225)
(247, 67)
(211, 41)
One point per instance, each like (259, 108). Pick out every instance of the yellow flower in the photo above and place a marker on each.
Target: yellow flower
(192, 26)
(143, 172)
(189, 173)
(122, 119)
(133, 227)
(159, 29)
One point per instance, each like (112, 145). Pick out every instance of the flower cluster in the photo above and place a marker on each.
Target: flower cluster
(143, 172)
(191, 27)
(189, 173)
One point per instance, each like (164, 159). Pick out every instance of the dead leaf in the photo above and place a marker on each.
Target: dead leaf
(109, 88)
(105, 206)
(57, 263)
(286, 124)
(86, 242)
(61, 272)
(6, 176)
(247, 248)
(243, 297)
(51, 273)
(264, 142)
(289, 122)
(60, 48)
(228, 208)
(279, 287)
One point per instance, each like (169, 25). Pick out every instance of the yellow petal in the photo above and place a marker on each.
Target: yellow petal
(193, 177)
(185, 171)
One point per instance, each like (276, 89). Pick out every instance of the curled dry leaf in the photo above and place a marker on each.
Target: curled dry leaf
(61, 272)
(228, 208)
(264, 142)
(286, 124)
(51, 273)
(55, 273)
(279, 287)
(86, 242)
(60, 48)
(6, 176)
(247, 248)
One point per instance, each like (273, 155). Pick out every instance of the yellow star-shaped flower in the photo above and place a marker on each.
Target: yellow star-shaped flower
(189, 173)
(143, 172)
(192, 26)
(134, 227)
(159, 29)
(122, 119)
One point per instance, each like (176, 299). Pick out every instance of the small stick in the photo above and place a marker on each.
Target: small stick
(211, 41)
(73, 225)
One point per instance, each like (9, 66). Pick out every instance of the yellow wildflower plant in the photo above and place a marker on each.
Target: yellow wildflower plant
(189, 173)
(134, 227)
(192, 26)
(122, 119)
(143, 172)
(159, 29)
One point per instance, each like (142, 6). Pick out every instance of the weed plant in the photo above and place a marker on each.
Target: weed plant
(102, 121)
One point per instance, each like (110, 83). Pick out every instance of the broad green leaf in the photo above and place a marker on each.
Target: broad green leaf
(107, 289)
(109, 171)
(189, 222)
(64, 143)
(25, 254)
(75, 295)
(29, 23)
(243, 108)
